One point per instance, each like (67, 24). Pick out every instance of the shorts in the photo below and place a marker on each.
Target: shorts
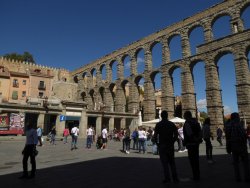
(104, 140)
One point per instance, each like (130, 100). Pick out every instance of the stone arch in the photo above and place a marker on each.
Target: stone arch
(125, 99)
(76, 78)
(103, 72)
(114, 69)
(102, 94)
(156, 79)
(126, 61)
(196, 37)
(156, 51)
(245, 11)
(112, 90)
(140, 60)
(83, 95)
(140, 92)
(174, 42)
(198, 71)
(92, 95)
(248, 56)
(226, 28)
(93, 76)
(226, 61)
(175, 74)
(223, 52)
(85, 77)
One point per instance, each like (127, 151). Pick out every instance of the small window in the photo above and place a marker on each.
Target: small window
(24, 82)
(41, 85)
(23, 93)
(14, 95)
(15, 83)
(40, 94)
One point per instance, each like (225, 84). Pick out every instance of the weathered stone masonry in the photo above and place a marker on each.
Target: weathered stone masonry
(238, 44)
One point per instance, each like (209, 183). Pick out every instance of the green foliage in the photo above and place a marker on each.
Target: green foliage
(203, 116)
(25, 57)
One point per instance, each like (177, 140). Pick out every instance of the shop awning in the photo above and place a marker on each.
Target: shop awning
(73, 118)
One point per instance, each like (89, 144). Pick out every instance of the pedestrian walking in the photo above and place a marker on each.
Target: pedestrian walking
(65, 135)
(89, 133)
(30, 151)
(39, 135)
(165, 135)
(236, 143)
(206, 134)
(192, 140)
(74, 135)
(127, 141)
(219, 135)
(135, 139)
(104, 138)
(141, 136)
(53, 135)
(181, 148)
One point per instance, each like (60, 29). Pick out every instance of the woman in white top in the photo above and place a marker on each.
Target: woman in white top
(141, 136)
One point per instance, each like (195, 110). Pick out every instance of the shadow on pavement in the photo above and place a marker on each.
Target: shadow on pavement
(121, 172)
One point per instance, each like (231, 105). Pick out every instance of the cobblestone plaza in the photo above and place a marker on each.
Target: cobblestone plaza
(60, 167)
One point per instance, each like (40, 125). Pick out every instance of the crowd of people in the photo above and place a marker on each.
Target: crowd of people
(162, 138)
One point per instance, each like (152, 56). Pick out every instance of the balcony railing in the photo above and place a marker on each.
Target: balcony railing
(41, 87)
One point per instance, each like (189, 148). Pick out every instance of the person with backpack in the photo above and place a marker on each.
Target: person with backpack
(236, 143)
(192, 140)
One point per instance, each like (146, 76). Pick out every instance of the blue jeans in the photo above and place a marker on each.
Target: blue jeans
(65, 139)
(135, 143)
(89, 141)
(74, 142)
(142, 144)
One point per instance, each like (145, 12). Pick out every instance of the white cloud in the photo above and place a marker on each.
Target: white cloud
(202, 104)
(227, 110)
(140, 61)
(127, 65)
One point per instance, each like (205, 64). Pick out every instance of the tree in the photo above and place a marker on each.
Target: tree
(26, 56)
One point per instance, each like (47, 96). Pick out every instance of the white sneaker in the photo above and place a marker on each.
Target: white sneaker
(128, 152)
(185, 150)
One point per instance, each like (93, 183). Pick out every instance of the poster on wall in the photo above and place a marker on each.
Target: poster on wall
(4, 121)
(17, 120)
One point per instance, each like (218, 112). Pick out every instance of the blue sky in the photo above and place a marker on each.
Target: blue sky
(72, 33)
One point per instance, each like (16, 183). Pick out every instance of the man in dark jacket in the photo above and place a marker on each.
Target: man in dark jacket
(192, 140)
(236, 143)
(165, 135)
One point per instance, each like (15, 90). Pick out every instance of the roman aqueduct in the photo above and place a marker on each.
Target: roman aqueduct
(112, 95)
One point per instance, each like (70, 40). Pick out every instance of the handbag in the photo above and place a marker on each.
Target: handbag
(35, 152)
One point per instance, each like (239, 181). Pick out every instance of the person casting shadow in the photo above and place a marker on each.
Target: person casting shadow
(236, 143)
(192, 140)
(165, 136)
(29, 151)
